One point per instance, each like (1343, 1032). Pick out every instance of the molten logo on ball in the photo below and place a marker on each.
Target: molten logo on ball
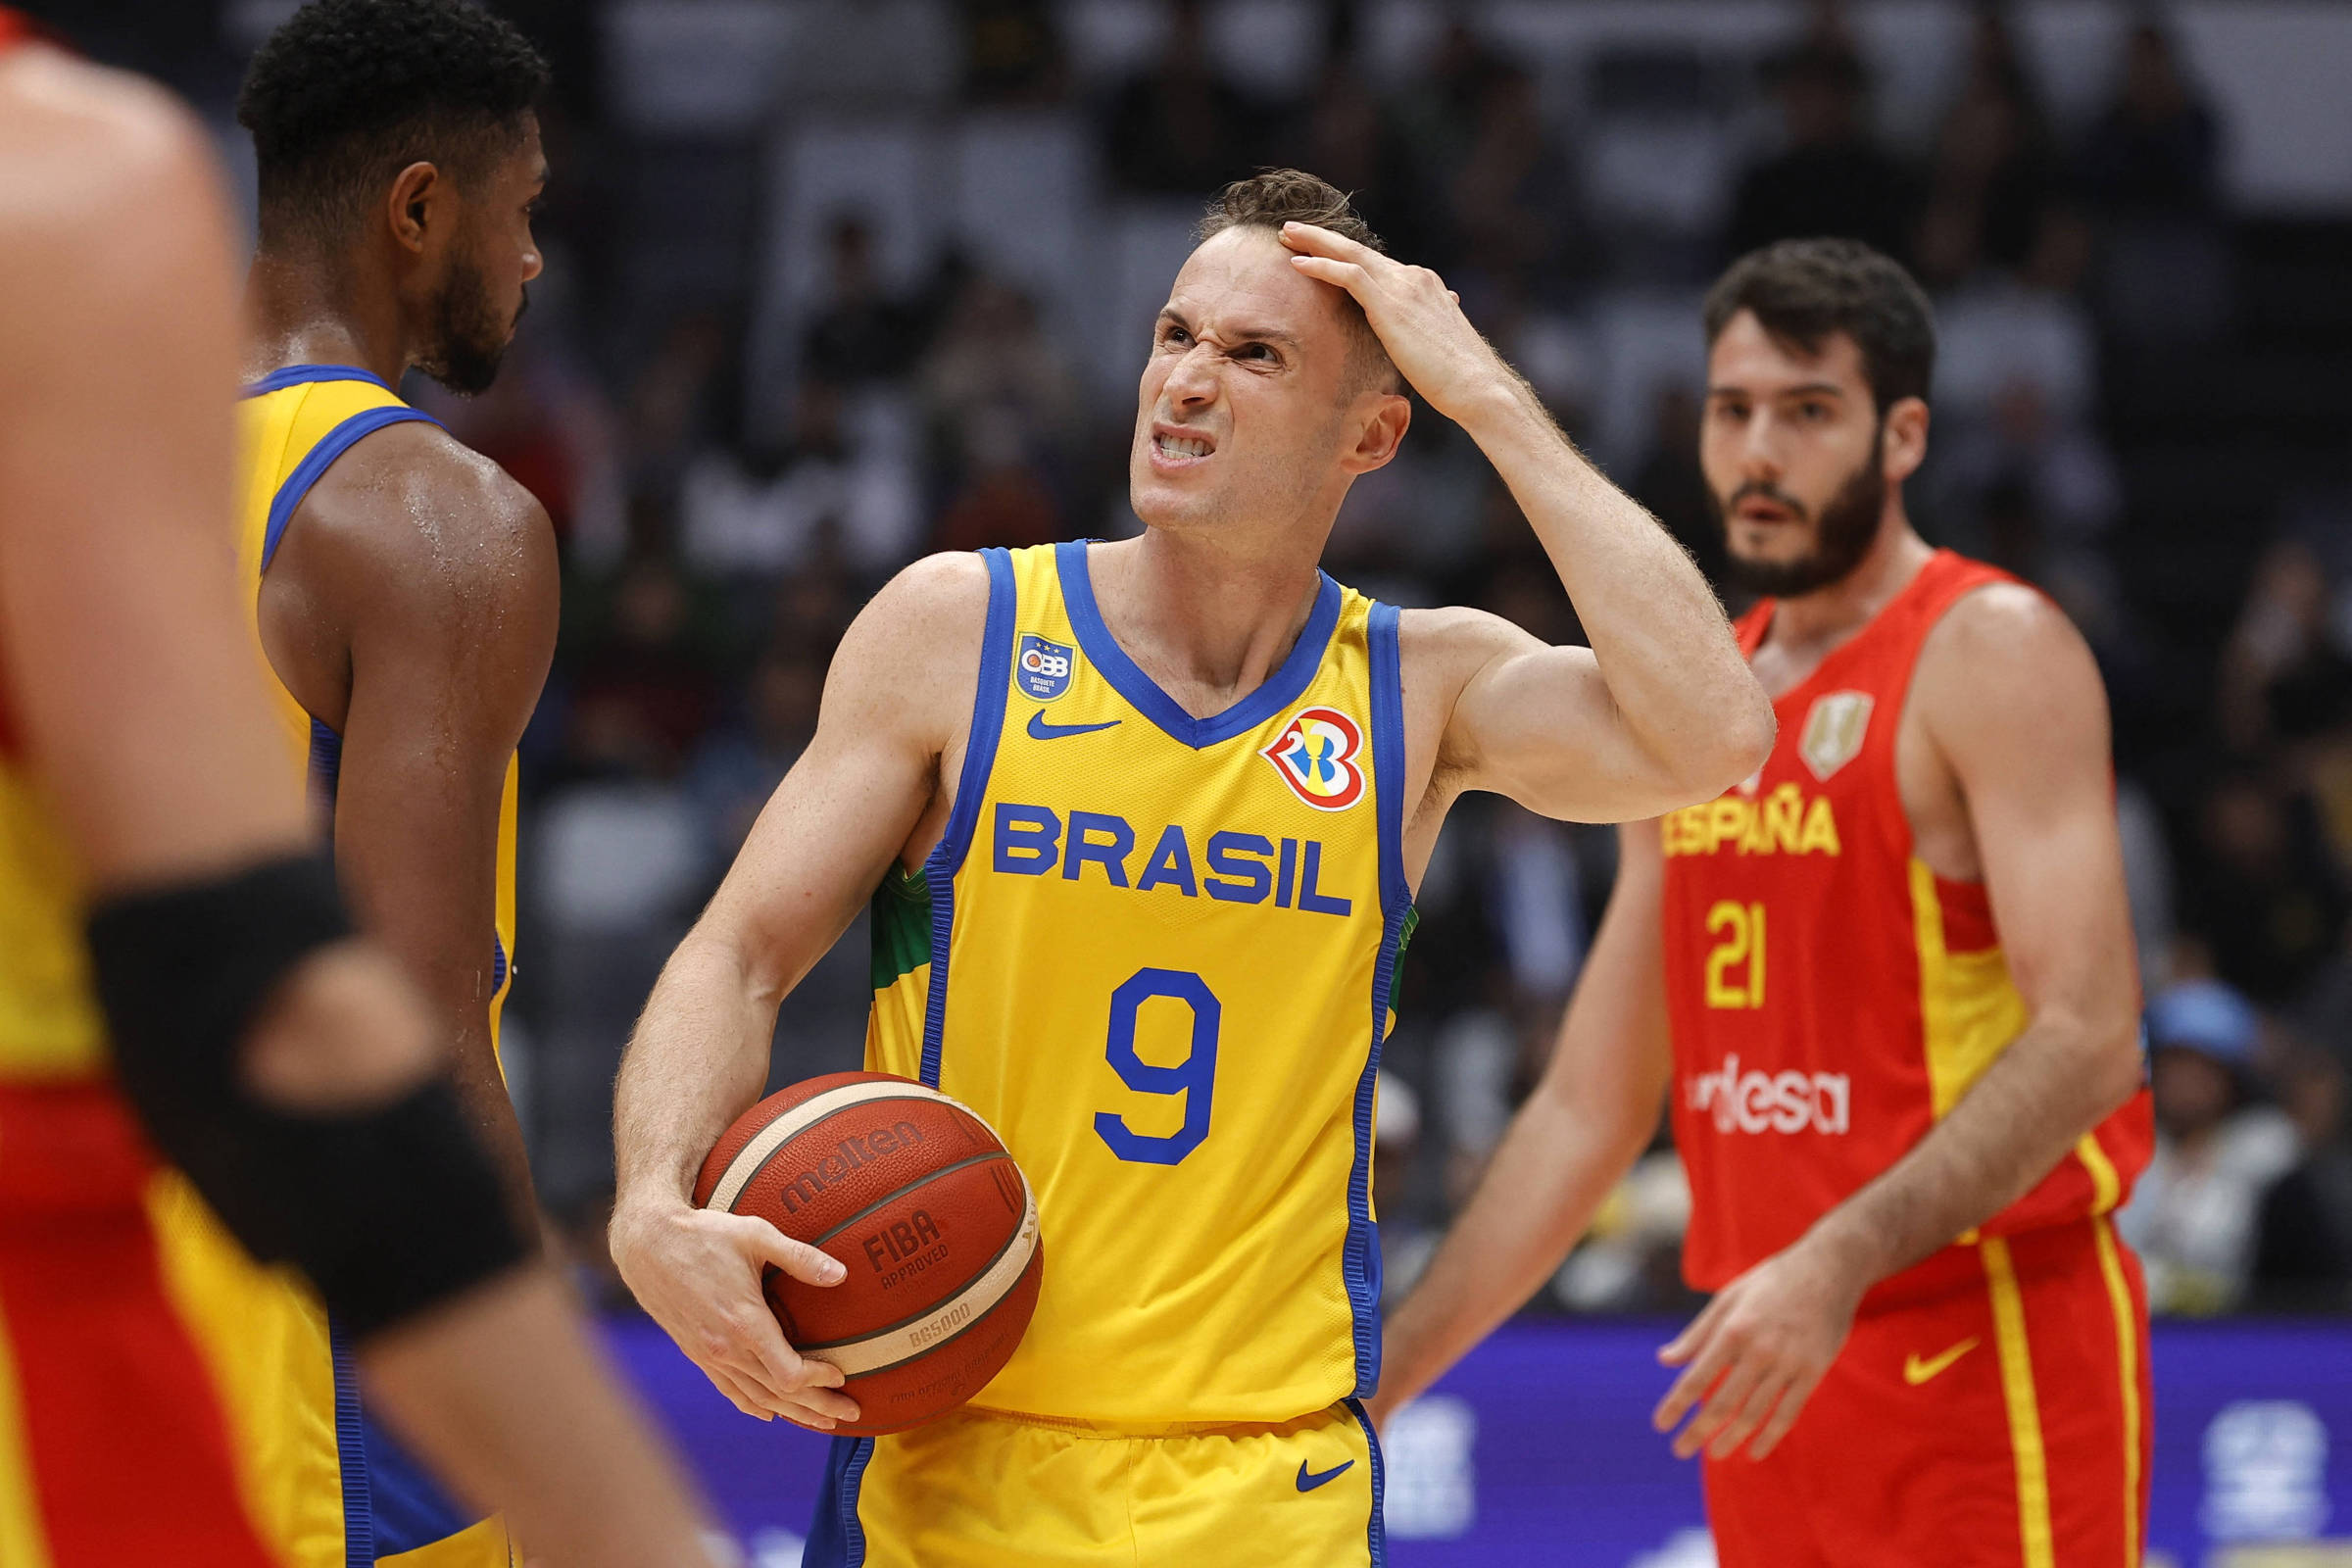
(848, 1155)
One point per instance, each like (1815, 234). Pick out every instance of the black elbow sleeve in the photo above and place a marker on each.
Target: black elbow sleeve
(389, 1209)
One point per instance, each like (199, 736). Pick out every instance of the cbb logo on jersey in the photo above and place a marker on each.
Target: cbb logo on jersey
(1315, 754)
(1043, 669)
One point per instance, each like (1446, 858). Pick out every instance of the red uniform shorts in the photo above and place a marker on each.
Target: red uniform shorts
(1990, 1410)
(113, 1446)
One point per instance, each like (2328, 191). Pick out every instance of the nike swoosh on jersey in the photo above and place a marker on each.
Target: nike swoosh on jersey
(1039, 730)
(1309, 1479)
(1917, 1371)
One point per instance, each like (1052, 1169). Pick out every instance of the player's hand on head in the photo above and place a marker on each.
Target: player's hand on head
(1755, 1356)
(1418, 320)
(698, 1273)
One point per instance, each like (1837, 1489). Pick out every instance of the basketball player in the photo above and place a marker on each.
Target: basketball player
(216, 995)
(404, 591)
(1889, 979)
(1157, 808)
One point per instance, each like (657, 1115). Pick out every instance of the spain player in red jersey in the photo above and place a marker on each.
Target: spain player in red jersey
(1889, 982)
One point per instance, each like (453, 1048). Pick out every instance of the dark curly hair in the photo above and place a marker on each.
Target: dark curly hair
(1273, 197)
(1802, 291)
(348, 92)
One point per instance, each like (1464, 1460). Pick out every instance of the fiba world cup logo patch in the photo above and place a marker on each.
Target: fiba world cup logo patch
(1315, 754)
(1041, 670)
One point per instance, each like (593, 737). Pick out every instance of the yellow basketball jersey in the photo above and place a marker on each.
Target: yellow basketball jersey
(294, 424)
(1154, 951)
(321, 1482)
(50, 1026)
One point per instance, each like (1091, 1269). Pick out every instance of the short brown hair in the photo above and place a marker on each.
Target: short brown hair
(1273, 197)
(1802, 291)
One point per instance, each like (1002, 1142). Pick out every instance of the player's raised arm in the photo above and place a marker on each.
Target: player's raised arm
(871, 788)
(1662, 712)
(2012, 704)
(1586, 1121)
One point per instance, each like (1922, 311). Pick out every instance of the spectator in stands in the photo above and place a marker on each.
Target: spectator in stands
(2150, 173)
(642, 687)
(739, 767)
(2217, 1150)
(2303, 1249)
(860, 333)
(2155, 148)
(1829, 178)
(2263, 895)
(1179, 129)
(1512, 201)
(1994, 174)
(1012, 54)
(2285, 676)
(757, 513)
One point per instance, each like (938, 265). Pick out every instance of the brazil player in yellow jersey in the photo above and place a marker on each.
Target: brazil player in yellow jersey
(175, 972)
(404, 593)
(1140, 822)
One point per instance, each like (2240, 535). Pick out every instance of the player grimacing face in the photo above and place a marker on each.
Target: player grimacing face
(493, 257)
(1246, 413)
(1800, 461)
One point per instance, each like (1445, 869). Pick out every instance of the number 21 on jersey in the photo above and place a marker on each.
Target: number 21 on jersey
(1736, 963)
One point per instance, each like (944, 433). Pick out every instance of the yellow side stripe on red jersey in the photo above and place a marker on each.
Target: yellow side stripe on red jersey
(2106, 1187)
(2034, 1536)
(21, 1539)
(2126, 1354)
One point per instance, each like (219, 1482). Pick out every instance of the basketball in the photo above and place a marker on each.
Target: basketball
(915, 1197)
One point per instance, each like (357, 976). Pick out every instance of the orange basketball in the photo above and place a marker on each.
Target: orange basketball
(921, 1205)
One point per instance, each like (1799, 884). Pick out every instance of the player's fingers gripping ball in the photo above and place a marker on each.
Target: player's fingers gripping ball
(919, 1200)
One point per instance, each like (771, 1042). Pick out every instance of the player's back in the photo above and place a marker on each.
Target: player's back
(1154, 953)
(1831, 996)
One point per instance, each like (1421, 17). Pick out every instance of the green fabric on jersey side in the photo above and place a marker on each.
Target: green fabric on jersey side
(901, 927)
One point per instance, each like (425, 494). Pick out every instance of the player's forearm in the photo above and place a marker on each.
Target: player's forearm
(698, 1057)
(1554, 1167)
(503, 1391)
(2055, 1083)
(1665, 650)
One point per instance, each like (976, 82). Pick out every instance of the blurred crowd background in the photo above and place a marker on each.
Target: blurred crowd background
(832, 283)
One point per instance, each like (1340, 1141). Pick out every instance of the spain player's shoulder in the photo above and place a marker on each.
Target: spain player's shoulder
(94, 160)
(2003, 622)
(2006, 653)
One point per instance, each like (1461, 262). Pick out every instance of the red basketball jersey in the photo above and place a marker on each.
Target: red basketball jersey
(1829, 995)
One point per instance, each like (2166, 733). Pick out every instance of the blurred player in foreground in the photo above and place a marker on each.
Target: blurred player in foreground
(1160, 805)
(404, 591)
(218, 997)
(1889, 979)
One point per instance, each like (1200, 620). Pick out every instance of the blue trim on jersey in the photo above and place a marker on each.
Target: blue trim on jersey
(1360, 1262)
(297, 374)
(315, 462)
(1283, 688)
(979, 759)
(1376, 1534)
(326, 768)
(836, 1537)
(350, 1453)
(406, 1506)
(497, 965)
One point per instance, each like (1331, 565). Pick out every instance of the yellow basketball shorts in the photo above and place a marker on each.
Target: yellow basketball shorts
(985, 1489)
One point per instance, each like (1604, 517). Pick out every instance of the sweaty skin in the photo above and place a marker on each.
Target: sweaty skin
(2001, 760)
(413, 603)
(127, 675)
(1251, 426)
